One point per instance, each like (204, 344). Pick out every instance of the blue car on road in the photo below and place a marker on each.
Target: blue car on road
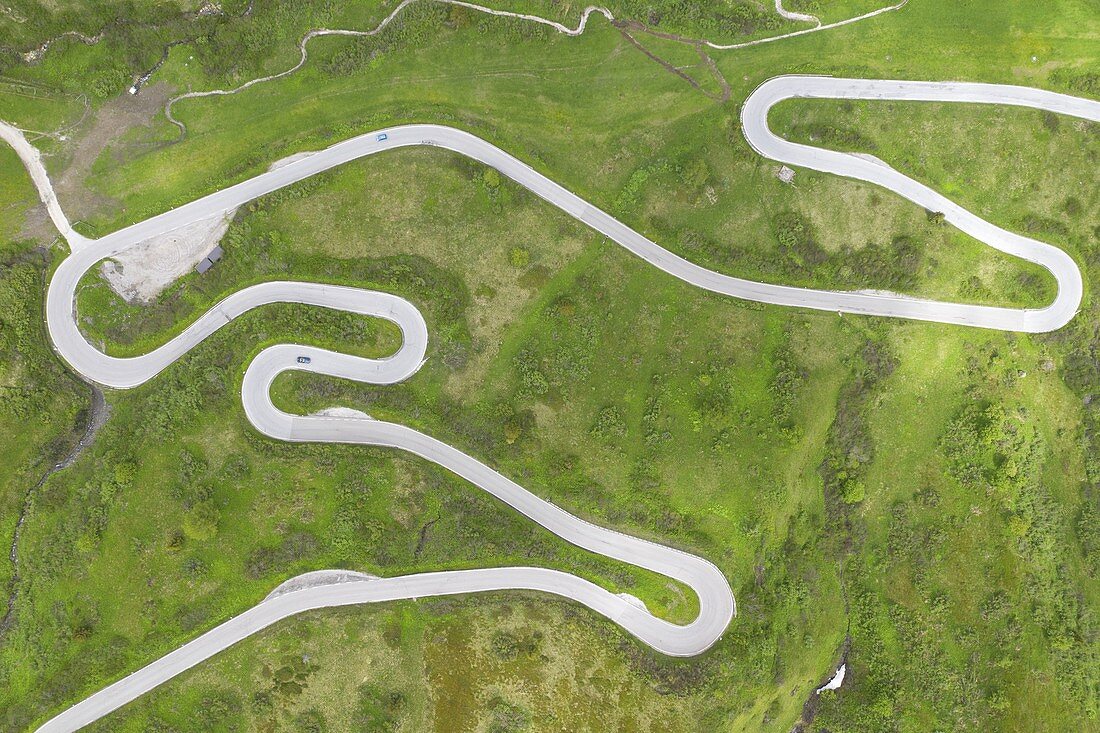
(382, 137)
(303, 360)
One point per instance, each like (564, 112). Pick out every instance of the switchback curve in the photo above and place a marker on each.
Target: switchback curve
(716, 601)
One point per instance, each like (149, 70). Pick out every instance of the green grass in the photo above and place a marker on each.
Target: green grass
(693, 425)
(1055, 205)
(401, 666)
(41, 405)
(665, 159)
(925, 489)
(17, 194)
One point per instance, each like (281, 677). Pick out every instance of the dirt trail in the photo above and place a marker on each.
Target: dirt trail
(819, 27)
(581, 26)
(791, 15)
(110, 123)
(32, 160)
(83, 146)
(626, 26)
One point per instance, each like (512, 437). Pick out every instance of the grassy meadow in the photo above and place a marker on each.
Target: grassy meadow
(919, 498)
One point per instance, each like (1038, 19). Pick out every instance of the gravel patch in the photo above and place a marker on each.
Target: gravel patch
(140, 273)
(316, 578)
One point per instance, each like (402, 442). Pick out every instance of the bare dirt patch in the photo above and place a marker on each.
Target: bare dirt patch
(140, 273)
(106, 129)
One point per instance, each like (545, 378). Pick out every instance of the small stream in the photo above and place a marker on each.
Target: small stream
(835, 682)
(97, 417)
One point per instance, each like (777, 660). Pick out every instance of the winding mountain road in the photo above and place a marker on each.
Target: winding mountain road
(717, 606)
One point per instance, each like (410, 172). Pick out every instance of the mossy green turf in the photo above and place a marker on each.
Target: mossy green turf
(40, 402)
(948, 529)
(664, 158)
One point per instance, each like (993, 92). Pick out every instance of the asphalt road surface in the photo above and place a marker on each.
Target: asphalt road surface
(717, 606)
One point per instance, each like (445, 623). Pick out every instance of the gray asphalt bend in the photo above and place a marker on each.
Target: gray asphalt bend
(716, 600)
(754, 120)
(344, 594)
(717, 605)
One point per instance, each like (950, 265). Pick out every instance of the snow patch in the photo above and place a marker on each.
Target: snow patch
(836, 681)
